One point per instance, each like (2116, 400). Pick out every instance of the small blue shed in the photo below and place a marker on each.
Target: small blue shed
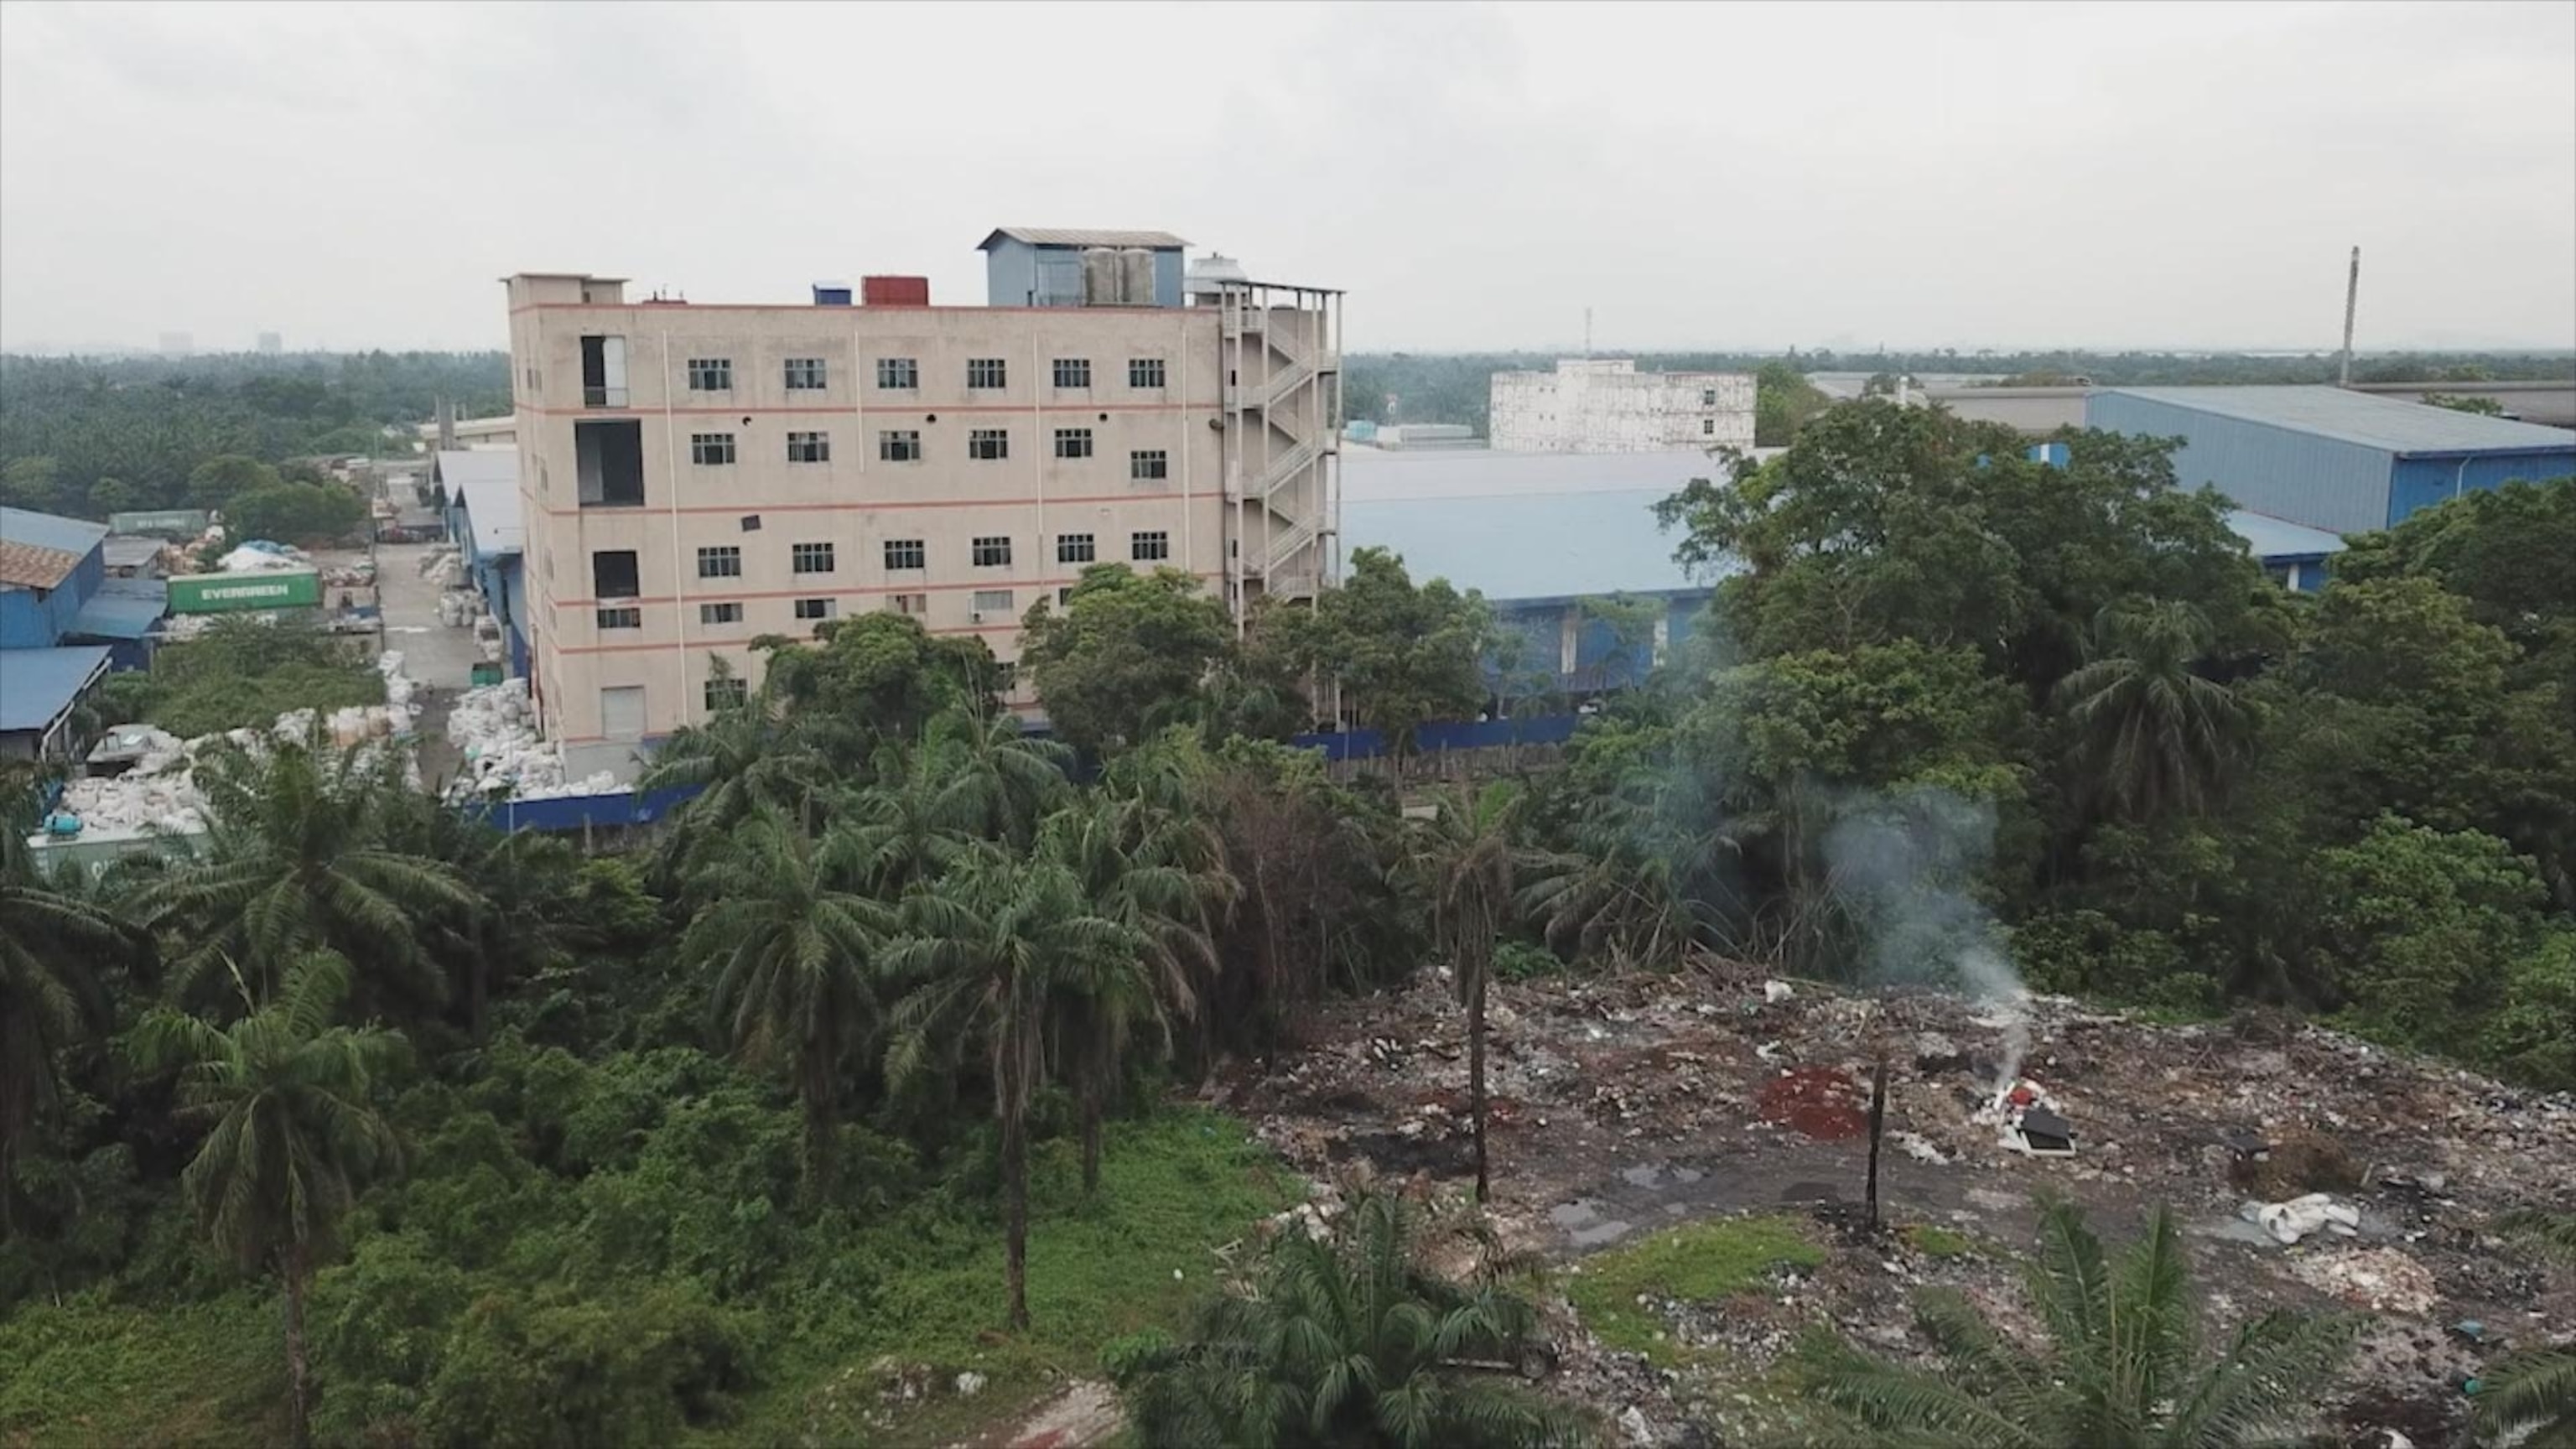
(2346, 462)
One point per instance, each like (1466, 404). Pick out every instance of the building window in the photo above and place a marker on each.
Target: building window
(1064, 597)
(809, 447)
(726, 692)
(1707, 427)
(710, 449)
(1708, 397)
(1073, 442)
(898, 374)
(811, 558)
(988, 445)
(627, 617)
(726, 613)
(1148, 463)
(993, 552)
(613, 574)
(722, 561)
(1074, 548)
(1151, 546)
(1144, 372)
(899, 445)
(710, 374)
(987, 372)
(1073, 372)
(804, 374)
(817, 608)
(912, 605)
(906, 553)
(992, 603)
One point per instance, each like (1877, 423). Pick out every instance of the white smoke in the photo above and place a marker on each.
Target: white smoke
(1904, 865)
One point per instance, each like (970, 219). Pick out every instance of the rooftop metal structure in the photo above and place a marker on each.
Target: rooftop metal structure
(43, 685)
(40, 550)
(1075, 236)
(2407, 429)
(487, 481)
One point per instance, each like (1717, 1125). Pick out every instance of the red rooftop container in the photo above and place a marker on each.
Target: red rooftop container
(894, 291)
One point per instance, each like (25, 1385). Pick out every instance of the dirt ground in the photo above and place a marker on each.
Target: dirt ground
(1623, 1107)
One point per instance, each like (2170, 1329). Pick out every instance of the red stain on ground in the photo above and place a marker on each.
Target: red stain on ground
(1817, 1102)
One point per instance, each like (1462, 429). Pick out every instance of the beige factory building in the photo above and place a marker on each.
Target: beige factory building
(1606, 405)
(694, 475)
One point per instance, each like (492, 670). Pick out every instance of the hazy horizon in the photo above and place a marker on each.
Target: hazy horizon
(1741, 178)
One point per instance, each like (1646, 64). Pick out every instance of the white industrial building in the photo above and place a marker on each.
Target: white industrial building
(1608, 406)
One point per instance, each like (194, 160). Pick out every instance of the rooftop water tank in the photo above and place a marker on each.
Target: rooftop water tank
(831, 294)
(1100, 284)
(1210, 273)
(1136, 276)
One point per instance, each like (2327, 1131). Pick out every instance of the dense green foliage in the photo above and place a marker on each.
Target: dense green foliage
(2123, 1368)
(85, 436)
(240, 674)
(1348, 1344)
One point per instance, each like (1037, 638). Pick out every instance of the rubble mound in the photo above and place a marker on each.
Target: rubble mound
(2310, 1169)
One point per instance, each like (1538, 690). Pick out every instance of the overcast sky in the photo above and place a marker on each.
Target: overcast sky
(1726, 176)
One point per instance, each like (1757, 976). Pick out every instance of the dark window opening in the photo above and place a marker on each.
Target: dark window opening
(613, 575)
(603, 372)
(609, 458)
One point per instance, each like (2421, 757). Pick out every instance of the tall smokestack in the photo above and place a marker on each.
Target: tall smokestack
(2351, 300)
(446, 426)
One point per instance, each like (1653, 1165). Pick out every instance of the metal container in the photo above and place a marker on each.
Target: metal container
(1136, 277)
(894, 291)
(233, 593)
(159, 523)
(1101, 286)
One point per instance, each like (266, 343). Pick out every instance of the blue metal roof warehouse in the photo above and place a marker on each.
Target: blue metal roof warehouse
(2343, 461)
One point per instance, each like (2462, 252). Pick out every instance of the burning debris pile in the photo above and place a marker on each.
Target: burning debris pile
(2311, 1169)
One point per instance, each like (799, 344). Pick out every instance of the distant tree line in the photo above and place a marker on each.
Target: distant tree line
(85, 437)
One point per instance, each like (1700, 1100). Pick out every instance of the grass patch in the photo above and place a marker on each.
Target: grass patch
(91, 1372)
(1936, 1242)
(1171, 1188)
(1699, 1262)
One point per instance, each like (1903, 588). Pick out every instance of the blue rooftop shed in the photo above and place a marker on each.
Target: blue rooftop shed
(1039, 266)
(49, 567)
(2345, 462)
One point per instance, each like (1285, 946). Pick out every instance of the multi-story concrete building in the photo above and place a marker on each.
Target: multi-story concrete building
(693, 476)
(1608, 406)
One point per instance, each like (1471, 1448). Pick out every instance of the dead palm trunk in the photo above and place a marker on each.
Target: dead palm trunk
(1476, 1075)
(298, 1407)
(1015, 1186)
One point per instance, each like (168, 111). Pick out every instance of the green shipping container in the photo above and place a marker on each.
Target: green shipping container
(227, 593)
(164, 522)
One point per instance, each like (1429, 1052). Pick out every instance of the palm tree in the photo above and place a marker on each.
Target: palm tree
(791, 949)
(1000, 778)
(995, 945)
(1155, 872)
(2124, 1370)
(2159, 735)
(2533, 1393)
(1623, 891)
(745, 758)
(52, 943)
(296, 859)
(1469, 855)
(901, 830)
(292, 1134)
(1352, 1342)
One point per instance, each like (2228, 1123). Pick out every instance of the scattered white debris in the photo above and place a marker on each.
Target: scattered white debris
(969, 1384)
(1776, 992)
(495, 728)
(2290, 1221)
(1919, 1147)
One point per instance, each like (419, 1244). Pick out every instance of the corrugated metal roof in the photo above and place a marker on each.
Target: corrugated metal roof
(1524, 546)
(44, 682)
(123, 612)
(130, 553)
(2269, 538)
(1074, 236)
(487, 479)
(2359, 417)
(40, 550)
